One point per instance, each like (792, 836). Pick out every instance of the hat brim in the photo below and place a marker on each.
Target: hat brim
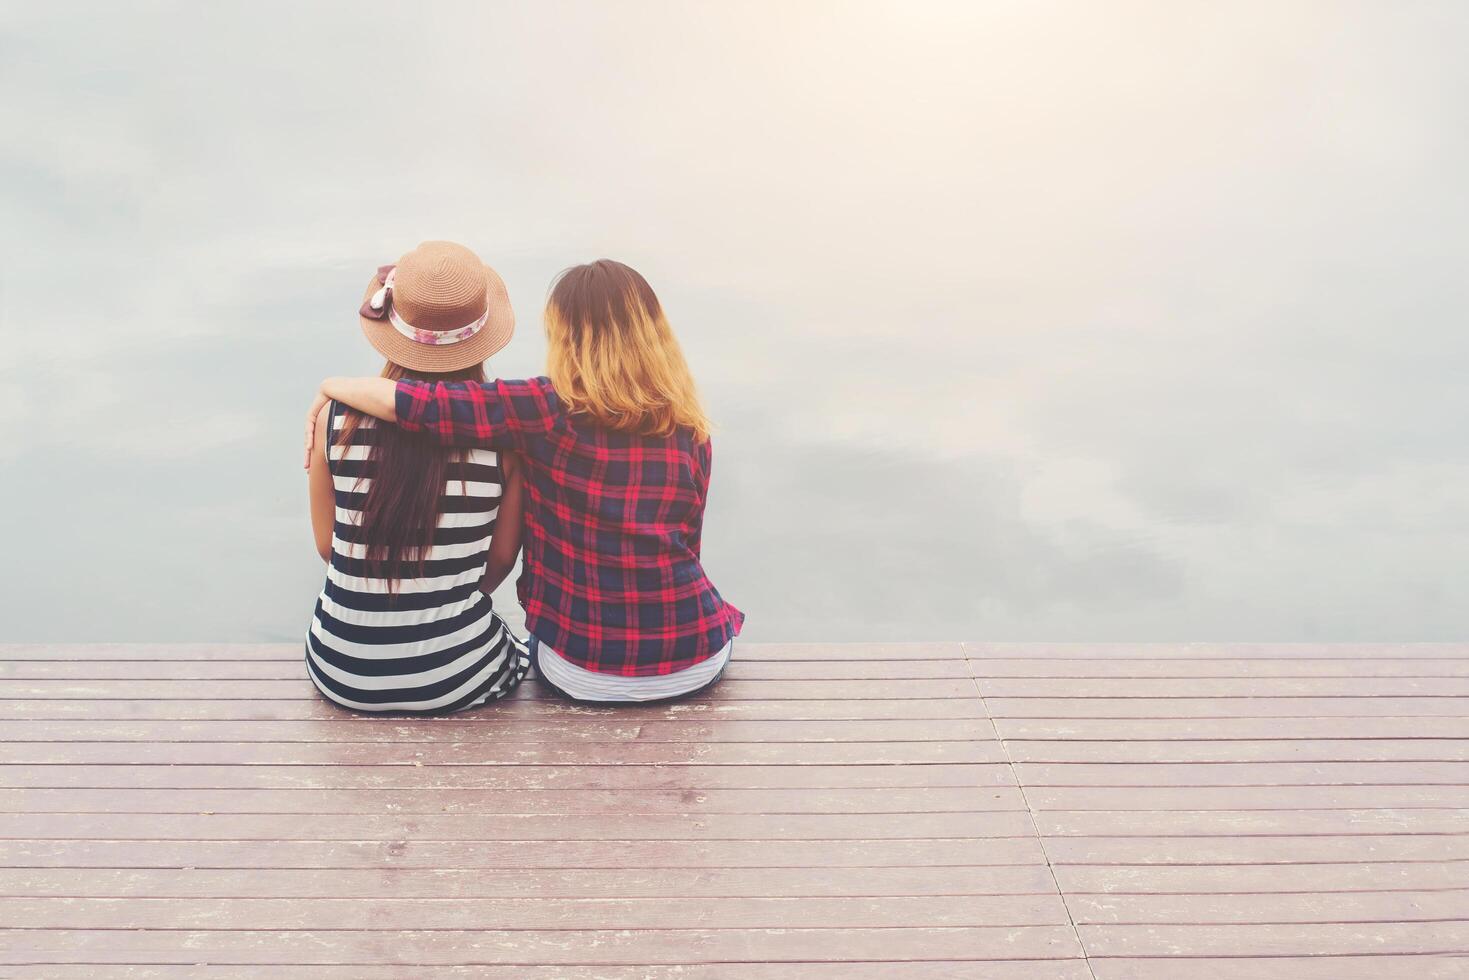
(442, 358)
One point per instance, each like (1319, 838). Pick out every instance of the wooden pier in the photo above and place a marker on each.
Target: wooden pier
(833, 812)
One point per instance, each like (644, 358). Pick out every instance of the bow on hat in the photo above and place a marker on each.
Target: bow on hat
(376, 307)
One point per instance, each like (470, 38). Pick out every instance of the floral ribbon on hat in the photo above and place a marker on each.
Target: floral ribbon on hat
(379, 306)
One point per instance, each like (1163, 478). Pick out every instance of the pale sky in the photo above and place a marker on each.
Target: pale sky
(1123, 321)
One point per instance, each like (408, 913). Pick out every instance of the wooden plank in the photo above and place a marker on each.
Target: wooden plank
(1228, 707)
(439, 776)
(689, 803)
(746, 650)
(1047, 969)
(864, 668)
(1244, 823)
(513, 854)
(420, 827)
(1272, 851)
(294, 651)
(674, 946)
(828, 652)
(139, 670)
(245, 710)
(1134, 687)
(1231, 729)
(992, 668)
(732, 777)
(505, 753)
(300, 689)
(1244, 774)
(1214, 651)
(1240, 751)
(474, 727)
(153, 651)
(294, 669)
(1360, 906)
(1291, 939)
(486, 883)
(1261, 798)
(1410, 877)
(521, 912)
(640, 854)
(1362, 966)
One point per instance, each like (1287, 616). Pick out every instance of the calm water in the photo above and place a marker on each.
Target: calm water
(1020, 321)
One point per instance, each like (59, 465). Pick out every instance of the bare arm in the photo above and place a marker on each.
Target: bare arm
(505, 544)
(372, 396)
(323, 499)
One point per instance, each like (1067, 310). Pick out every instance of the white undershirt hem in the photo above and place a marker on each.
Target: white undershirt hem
(589, 685)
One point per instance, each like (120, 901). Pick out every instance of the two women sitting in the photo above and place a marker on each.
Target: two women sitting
(426, 481)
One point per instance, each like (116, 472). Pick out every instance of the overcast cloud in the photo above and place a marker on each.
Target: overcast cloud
(1125, 321)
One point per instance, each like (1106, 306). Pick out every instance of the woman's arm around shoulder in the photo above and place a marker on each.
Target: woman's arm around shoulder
(487, 415)
(371, 396)
(323, 496)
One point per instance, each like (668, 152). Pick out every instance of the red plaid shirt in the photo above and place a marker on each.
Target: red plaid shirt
(612, 579)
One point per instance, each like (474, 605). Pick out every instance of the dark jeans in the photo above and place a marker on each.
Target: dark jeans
(534, 646)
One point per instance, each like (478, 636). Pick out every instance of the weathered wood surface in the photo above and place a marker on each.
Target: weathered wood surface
(1246, 811)
(1049, 969)
(831, 812)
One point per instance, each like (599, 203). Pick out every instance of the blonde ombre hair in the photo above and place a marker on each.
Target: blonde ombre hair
(612, 355)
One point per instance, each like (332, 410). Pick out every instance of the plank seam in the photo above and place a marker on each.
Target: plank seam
(1030, 814)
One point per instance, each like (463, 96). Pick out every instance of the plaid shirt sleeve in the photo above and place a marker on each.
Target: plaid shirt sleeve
(490, 415)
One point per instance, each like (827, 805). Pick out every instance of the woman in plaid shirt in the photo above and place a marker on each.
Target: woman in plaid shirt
(618, 458)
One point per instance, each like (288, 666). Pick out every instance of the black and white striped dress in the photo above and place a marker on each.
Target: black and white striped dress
(436, 645)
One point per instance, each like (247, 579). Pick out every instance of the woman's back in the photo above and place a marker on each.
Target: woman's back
(613, 525)
(410, 629)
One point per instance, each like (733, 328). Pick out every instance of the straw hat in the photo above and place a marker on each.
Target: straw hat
(439, 309)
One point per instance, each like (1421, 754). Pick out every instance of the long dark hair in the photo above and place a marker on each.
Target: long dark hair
(401, 510)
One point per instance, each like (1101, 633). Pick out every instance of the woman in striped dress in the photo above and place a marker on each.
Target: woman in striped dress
(416, 537)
